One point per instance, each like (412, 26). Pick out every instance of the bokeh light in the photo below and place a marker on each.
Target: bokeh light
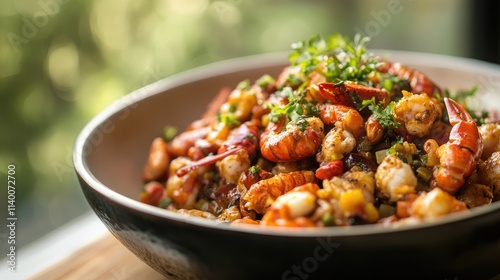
(63, 66)
(62, 62)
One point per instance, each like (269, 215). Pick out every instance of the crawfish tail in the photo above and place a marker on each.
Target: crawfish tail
(263, 193)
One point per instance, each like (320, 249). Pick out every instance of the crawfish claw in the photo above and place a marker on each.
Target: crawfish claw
(342, 93)
(460, 155)
(456, 112)
(336, 93)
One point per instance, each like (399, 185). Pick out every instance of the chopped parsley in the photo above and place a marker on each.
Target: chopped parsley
(244, 85)
(384, 115)
(343, 59)
(232, 108)
(390, 82)
(398, 149)
(297, 109)
(265, 81)
(254, 169)
(229, 119)
(164, 202)
(294, 80)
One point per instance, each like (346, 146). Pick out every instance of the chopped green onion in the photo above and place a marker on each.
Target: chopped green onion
(254, 169)
(169, 132)
(164, 202)
(384, 115)
(265, 81)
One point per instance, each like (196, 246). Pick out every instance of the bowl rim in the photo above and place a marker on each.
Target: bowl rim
(246, 63)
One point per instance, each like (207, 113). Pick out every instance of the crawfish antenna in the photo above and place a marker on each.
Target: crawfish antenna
(205, 161)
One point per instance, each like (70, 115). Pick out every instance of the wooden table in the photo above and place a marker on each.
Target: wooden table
(80, 249)
(105, 258)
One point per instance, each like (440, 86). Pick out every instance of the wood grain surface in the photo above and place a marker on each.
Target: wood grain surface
(105, 259)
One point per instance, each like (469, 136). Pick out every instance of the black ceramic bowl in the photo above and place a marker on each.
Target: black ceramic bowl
(111, 151)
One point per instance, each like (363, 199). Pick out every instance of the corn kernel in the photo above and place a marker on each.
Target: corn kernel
(264, 120)
(323, 194)
(352, 201)
(371, 213)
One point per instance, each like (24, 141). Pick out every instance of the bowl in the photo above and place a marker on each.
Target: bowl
(111, 150)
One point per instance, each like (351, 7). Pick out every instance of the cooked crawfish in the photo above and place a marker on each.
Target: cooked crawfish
(158, 161)
(246, 180)
(459, 157)
(292, 208)
(263, 193)
(291, 143)
(417, 112)
(395, 179)
(340, 137)
(183, 190)
(336, 144)
(340, 140)
(350, 195)
(374, 130)
(329, 169)
(341, 93)
(419, 82)
(431, 204)
(346, 117)
(242, 138)
(184, 144)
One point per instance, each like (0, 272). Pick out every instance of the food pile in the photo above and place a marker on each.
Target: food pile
(341, 137)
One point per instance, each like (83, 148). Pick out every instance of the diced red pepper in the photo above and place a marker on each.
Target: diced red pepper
(153, 193)
(327, 171)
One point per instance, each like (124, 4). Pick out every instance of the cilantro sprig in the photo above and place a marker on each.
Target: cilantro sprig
(254, 169)
(296, 110)
(391, 82)
(343, 59)
(229, 119)
(385, 114)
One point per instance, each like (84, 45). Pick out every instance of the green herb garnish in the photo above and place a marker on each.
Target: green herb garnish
(254, 169)
(265, 81)
(385, 115)
(244, 85)
(336, 58)
(297, 109)
(169, 132)
(229, 119)
(164, 202)
(389, 82)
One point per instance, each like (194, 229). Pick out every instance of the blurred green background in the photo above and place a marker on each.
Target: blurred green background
(63, 61)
